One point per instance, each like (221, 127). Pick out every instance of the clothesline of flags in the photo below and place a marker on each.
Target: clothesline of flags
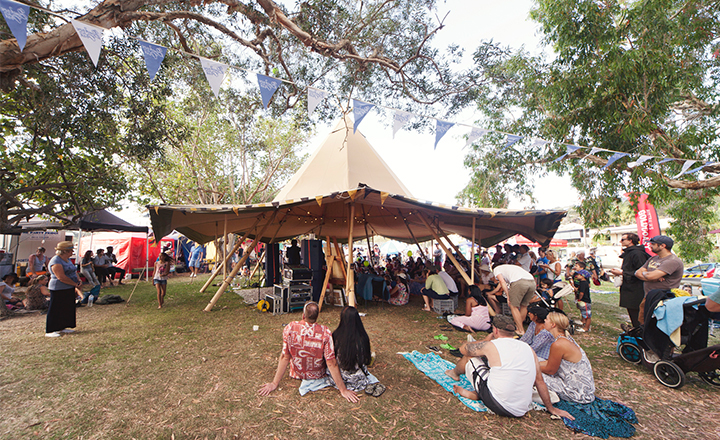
(16, 16)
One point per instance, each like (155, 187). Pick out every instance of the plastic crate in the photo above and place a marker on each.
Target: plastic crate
(444, 305)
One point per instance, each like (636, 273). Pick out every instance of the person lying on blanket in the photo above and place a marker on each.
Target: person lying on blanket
(308, 348)
(503, 372)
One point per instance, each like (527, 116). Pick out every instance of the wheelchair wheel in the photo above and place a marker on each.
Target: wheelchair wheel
(629, 352)
(669, 374)
(711, 378)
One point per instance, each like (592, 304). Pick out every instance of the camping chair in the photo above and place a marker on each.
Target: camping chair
(378, 290)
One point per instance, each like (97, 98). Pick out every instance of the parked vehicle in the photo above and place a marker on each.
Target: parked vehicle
(712, 284)
(704, 270)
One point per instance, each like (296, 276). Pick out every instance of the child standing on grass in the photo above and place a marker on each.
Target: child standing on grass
(582, 295)
(162, 269)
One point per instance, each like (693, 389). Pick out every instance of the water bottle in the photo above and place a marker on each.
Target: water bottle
(90, 300)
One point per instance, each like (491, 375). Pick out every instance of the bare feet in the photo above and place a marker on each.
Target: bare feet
(453, 375)
(472, 395)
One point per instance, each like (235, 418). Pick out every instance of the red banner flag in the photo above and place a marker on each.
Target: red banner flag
(647, 220)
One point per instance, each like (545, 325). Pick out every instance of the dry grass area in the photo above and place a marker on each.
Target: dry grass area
(134, 371)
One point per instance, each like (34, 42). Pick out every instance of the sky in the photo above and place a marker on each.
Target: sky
(438, 175)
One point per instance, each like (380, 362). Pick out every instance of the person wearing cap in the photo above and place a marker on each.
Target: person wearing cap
(519, 287)
(663, 271)
(36, 263)
(502, 372)
(64, 281)
(536, 336)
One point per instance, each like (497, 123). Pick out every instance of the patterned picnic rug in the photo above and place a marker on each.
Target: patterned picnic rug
(434, 367)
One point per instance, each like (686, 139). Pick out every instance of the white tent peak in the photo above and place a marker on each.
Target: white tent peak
(342, 162)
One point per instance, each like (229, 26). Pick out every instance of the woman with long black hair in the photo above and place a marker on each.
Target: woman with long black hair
(352, 351)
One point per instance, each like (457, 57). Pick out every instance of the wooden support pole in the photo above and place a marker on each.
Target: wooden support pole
(457, 250)
(350, 277)
(225, 239)
(328, 273)
(341, 254)
(472, 255)
(412, 235)
(447, 252)
(224, 263)
(257, 266)
(236, 269)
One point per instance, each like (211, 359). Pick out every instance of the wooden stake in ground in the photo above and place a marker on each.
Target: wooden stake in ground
(225, 262)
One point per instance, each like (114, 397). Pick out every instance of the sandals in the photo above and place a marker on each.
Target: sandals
(434, 349)
(375, 389)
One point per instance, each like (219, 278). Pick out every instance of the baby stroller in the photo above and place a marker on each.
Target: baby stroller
(559, 290)
(650, 346)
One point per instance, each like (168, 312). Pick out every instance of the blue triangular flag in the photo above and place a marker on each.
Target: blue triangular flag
(360, 110)
(695, 170)
(568, 149)
(511, 140)
(16, 16)
(268, 85)
(613, 158)
(441, 128)
(154, 56)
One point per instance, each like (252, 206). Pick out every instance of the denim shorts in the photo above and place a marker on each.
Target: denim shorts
(160, 282)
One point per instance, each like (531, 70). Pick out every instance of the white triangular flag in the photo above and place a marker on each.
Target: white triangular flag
(686, 166)
(641, 160)
(315, 97)
(214, 72)
(475, 133)
(91, 37)
(595, 150)
(537, 142)
(400, 118)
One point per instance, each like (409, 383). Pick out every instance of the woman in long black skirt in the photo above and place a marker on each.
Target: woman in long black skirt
(63, 281)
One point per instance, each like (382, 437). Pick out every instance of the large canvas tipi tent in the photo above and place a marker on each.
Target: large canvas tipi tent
(346, 188)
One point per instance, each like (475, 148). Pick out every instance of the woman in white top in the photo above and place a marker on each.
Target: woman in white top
(553, 268)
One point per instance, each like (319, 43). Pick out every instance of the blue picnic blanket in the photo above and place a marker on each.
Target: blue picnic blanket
(601, 418)
(434, 367)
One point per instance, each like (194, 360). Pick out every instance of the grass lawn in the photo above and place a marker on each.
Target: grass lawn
(133, 371)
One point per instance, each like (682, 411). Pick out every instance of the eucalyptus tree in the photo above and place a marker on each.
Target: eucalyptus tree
(636, 77)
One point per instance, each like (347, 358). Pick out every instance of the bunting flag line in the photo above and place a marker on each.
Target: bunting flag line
(214, 72)
(511, 140)
(441, 127)
(315, 97)
(91, 37)
(268, 86)
(400, 118)
(360, 110)
(475, 133)
(16, 17)
(154, 56)
(613, 158)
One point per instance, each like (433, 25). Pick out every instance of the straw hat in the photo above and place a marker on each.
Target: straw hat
(64, 246)
(485, 267)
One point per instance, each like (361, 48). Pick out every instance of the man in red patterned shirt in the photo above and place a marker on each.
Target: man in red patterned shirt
(308, 349)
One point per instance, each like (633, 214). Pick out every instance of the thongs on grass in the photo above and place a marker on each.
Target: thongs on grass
(434, 349)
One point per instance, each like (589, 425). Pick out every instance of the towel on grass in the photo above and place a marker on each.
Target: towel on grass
(434, 367)
(601, 418)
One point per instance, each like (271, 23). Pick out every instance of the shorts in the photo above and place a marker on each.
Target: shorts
(477, 371)
(521, 292)
(195, 263)
(585, 309)
(160, 282)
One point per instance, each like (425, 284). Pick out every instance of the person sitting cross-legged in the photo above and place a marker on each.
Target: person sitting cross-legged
(309, 351)
(503, 372)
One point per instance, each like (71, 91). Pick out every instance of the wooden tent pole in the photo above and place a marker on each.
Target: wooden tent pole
(225, 239)
(350, 277)
(367, 238)
(412, 235)
(457, 250)
(328, 262)
(257, 266)
(341, 254)
(236, 269)
(235, 249)
(472, 255)
(447, 252)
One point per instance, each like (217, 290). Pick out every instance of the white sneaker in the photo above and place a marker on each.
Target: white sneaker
(67, 330)
(52, 335)
(580, 330)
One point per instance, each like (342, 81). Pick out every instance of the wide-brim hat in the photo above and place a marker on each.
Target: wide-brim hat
(485, 267)
(64, 246)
